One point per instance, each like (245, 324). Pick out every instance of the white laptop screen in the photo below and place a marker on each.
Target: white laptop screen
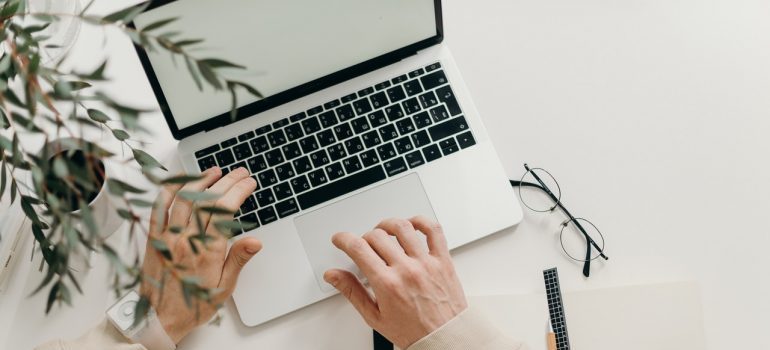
(282, 44)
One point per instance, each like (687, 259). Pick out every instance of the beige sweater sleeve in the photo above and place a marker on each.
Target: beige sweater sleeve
(467, 331)
(102, 337)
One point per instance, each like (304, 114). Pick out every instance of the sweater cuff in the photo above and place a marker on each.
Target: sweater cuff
(469, 330)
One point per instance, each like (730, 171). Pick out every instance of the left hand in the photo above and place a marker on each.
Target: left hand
(213, 265)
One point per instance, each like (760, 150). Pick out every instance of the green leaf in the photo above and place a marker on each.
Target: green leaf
(209, 75)
(9, 8)
(197, 196)
(121, 135)
(125, 214)
(4, 122)
(128, 14)
(216, 210)
(97, 115)
(158, 24)
(229, 226)
(53, 294)
(5, 63)
(140, 203)
(188, 42)
(30, 212)
(146, 160)
(162, 248)
(219, 63)
(141, 309)
(180, 180)
(248, 88)
(60, 167)
(3, 176)
(37, 28)
(88, 218)
(194, 73)
(120, 188)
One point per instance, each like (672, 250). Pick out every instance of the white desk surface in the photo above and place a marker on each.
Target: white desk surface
(654, 116)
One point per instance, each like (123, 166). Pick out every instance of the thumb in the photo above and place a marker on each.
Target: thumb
(240, 253)
(349, 286)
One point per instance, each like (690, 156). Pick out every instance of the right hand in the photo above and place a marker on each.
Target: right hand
(416, 291)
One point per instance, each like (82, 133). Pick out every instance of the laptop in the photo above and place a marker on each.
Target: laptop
(365, 116)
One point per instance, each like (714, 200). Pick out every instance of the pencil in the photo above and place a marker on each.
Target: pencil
(551, 337)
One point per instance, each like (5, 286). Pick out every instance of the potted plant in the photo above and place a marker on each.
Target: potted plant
(54, 184)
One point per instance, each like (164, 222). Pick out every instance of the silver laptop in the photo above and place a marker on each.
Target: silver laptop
(365, 116)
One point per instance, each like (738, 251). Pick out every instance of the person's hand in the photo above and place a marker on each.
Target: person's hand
(214, 266)
(416, 291)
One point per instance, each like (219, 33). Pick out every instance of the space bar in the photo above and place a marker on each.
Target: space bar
(339, 188)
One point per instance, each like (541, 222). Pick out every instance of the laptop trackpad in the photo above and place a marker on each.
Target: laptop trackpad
(402, 198)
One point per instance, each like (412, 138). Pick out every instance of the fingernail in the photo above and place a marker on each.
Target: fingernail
(330, 278)
(242, 170)
(251, 250)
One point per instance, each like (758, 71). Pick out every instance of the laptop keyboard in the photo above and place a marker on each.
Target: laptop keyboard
(345, 144)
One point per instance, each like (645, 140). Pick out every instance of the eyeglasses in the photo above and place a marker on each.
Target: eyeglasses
(580, 239)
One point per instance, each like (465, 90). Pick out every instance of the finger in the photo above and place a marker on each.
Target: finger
(381, 242)
(228, 181)
(182, 209)
(230, 201)
(434, 233)
(159, 216)
(349, 286)
(406, 235)
(362, 254)
(240, 253)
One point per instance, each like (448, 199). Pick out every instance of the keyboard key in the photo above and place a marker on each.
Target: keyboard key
(395, 112)
(228, 143)
(225, 158)
(345, 112)
(225, 171)
(281, 123)
(328, 119)
(265, 197)
(352, 164)
(311, 125)
(433, 67)
(388, 132)
(242, 151)
(206, 163)
(466, 140)
(420, 139)
(379, 100)
(319, 158)
(354, 145)
(267, 178)
(246, 136)
(326, 137)
(367, 91)
(359, 125)
(428, 100)
(267, 215)
(413, 87)
(377, 118)
(399, 79)
(294, 131)
(369, 158)
(343, 131)
(449, 146)
(382, 85)
(422, 120)
(335, 189)
(282, 191)
(259, 144)
(431, 152)
(405, 126)
(317, 177)
(446, 96)
(276, 138)
(337, 152)
(206, 151)
(403, 145)
(411, 106)
(257, 163)
(334, 171)
(238, 165)
(315, 110)
(414, 159)
(447, 128)
(362, 106)
(263, 130)
(416, 73)
(291, 151)
(371, 139)
(250, 219)
(285, 171)
(395, 166)
(302, 165)
(301, 115)
(274, 157)
(386, 151)
(332, 104)
(433, 80)
(439, 113)
(308, 144)
(396, 93)
(300, 184)
(349, 98)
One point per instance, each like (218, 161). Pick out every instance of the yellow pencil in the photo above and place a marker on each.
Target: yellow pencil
(551, 337)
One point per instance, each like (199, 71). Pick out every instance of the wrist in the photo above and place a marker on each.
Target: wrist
(148, 332)
(173, 328)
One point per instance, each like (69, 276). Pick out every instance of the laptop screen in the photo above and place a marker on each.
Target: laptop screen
(282, 43)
